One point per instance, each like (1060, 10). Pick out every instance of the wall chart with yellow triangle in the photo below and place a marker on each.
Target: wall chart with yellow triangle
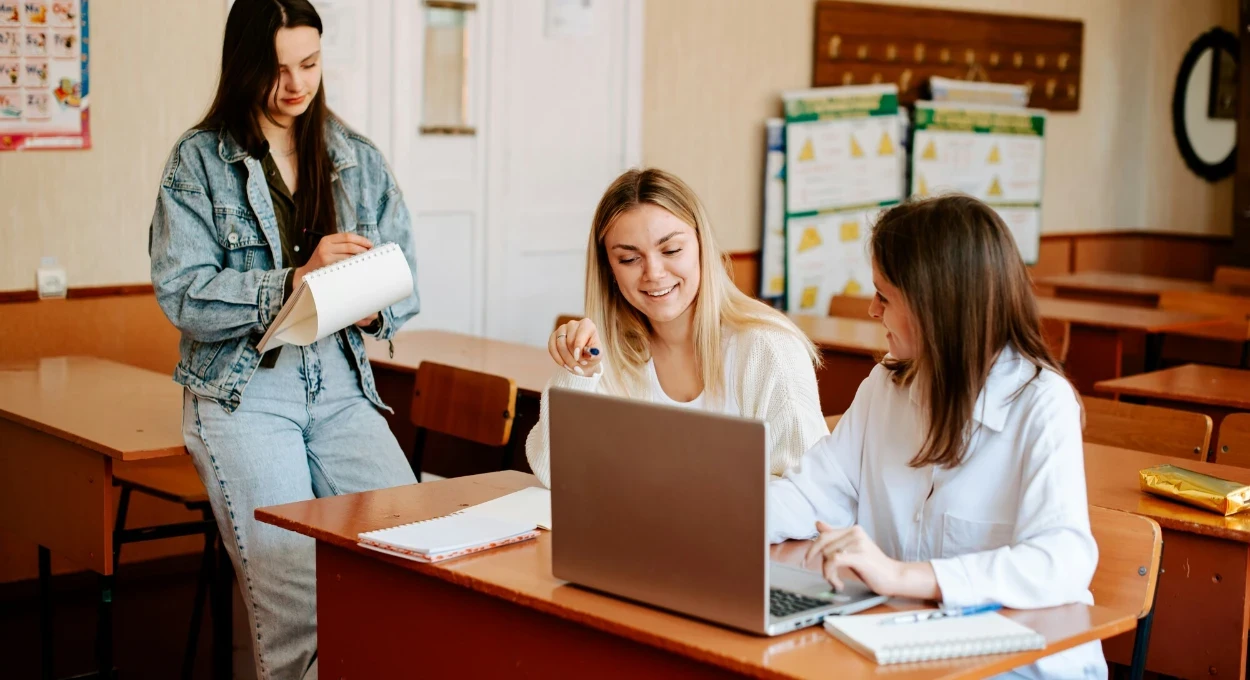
(773, 236)
(995, 153)
(844, 162)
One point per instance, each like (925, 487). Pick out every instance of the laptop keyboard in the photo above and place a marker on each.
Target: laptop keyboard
(784, 603)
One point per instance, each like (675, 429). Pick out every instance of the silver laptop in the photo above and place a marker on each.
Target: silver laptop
(665, 505)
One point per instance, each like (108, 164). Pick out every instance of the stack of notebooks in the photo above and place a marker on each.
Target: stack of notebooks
(946, 638)
(510, 519)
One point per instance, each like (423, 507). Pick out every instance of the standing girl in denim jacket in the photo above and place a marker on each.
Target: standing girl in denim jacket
(268, 187)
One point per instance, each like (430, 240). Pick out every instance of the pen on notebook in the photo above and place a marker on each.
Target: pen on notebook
(946, 613)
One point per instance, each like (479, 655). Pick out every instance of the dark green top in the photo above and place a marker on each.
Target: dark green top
(296, 246)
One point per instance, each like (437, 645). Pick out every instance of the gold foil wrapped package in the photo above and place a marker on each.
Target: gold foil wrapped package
(1195, 488)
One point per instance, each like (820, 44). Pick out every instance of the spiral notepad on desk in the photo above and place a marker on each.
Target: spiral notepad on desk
(443, 538)
(336, 296)
(947, 638)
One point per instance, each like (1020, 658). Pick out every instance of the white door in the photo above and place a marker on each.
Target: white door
(442, 174)
(564, 120)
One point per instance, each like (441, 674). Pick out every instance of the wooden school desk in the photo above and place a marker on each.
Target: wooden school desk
(1117, 287)
(1213, 390)
(1105, 335)
(850, 349)
(64, 423)
(502, 614)
(530, 367)
(1202, 606)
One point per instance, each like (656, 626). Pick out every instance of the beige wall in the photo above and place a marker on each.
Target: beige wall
(154, 65)
(713, 70)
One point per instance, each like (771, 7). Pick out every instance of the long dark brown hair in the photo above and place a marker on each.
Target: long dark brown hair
(961, 275)
(249, 74)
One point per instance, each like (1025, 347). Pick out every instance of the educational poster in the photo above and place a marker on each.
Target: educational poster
(995, 154)
(773, 241)
(43, 75)
(828, 255)
(844, 162)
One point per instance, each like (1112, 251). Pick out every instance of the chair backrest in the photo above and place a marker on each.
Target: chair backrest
(1057, 333)
(850, 306)
(563, 319)
(1233, 277)
(1234, 445)
(1215, 304)
(1147, 428)
(832, 421)
(1129, 549)
(467, 404)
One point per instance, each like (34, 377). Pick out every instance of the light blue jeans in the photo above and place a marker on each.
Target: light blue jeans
(303, 430)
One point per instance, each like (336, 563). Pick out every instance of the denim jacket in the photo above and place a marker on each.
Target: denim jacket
(217, 255)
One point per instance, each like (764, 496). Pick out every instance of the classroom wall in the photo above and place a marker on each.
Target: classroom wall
(713, 70)
(154, 65)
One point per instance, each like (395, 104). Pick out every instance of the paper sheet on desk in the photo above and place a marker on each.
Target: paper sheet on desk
(532, 504)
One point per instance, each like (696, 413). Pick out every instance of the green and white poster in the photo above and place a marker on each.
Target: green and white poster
(844, 162)
(995, 154)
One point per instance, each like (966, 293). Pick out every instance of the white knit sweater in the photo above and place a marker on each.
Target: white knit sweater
(775, 382)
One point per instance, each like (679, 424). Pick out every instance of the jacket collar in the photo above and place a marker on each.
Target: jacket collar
(342, 155)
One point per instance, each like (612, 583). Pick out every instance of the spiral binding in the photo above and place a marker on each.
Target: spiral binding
(351, 261)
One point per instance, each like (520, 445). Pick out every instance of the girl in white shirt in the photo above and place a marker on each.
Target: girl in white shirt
(665, 323)
(957, 474)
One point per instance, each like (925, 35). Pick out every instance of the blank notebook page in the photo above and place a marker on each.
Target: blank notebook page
(445, 534)
(948, 638)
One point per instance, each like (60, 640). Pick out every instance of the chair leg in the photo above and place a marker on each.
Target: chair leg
(1141, 640)
(201, 594)
(418, 452)
(45, 613)
(119, 524)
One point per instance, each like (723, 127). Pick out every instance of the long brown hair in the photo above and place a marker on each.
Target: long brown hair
(961, 275)
(625, 332)
(249, 73)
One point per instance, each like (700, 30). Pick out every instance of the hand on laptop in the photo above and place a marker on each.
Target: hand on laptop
(575, 346)
(851, 547)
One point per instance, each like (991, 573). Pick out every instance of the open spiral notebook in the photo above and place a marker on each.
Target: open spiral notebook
(336, 296)
(948, 638)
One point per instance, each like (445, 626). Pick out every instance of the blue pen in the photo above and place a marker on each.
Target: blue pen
(945, 613)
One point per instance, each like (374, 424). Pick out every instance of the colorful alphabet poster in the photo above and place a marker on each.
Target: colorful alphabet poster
(995, 154)
(844, 162)
(43, 75)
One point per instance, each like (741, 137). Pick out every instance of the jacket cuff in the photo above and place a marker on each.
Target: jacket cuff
(270, 298)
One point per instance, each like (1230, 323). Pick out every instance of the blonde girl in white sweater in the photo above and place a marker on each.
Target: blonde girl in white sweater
(665, 323)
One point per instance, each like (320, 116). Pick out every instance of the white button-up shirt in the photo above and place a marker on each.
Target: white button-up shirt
(1009, 525)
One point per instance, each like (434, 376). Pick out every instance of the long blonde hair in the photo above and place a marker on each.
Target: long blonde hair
(625, 332)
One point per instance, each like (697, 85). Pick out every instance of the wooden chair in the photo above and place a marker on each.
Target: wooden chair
(175, 480)
(1234, 278)
(1153, 429)
(1234, 446)
(1130, 552)
(1058, 335)
(832, 421)
(850, 306)
(478, 407)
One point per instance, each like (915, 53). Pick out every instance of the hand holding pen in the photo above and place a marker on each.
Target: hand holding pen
(575, 346)
(944, 613)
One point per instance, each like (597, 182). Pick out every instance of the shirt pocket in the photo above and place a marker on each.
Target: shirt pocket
(963, 536)
(239, 234)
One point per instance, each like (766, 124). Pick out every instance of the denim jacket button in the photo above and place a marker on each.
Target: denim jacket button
(233, 238)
